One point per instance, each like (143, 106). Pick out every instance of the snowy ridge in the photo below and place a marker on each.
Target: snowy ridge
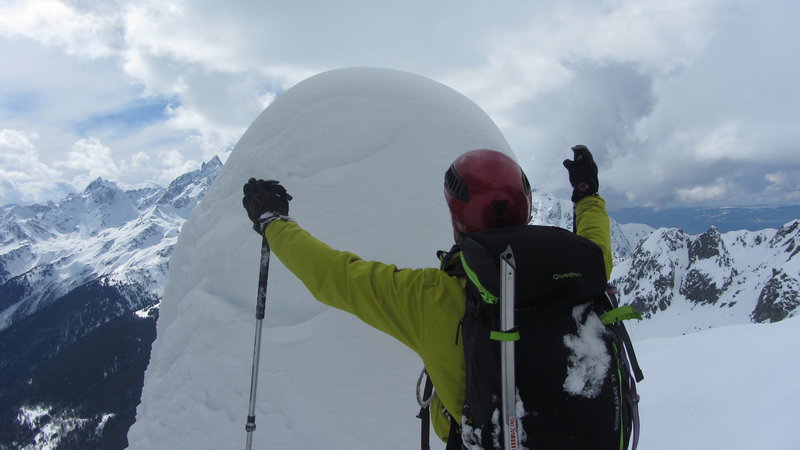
(684, 283)
(123, 237)
(557, 212)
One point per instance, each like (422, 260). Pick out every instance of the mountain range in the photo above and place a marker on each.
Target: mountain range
(80, 282)
(684, 282)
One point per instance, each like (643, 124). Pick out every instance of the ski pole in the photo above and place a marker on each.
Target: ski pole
(261, 302)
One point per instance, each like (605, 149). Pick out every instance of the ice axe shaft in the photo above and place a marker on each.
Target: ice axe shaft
(511, 425)
(261, 302)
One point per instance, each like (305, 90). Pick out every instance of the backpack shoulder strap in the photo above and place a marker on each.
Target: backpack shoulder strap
(450, 261)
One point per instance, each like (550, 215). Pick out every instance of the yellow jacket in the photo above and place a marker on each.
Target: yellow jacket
(419, 307)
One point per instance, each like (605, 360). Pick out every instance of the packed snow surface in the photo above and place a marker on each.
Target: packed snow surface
(363, 152)
(588, 361)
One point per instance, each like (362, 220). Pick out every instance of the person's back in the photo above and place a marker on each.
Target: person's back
(424, 308)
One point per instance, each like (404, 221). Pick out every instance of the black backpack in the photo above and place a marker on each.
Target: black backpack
(574, 367)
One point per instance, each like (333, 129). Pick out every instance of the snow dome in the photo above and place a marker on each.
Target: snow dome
(363, 152)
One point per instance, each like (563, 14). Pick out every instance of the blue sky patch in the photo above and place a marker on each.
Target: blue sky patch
(21, 102)
(132, 117)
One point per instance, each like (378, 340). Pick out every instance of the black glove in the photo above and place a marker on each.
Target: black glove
(264, 196)
(582, 173)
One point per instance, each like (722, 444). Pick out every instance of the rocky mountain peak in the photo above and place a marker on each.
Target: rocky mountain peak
(788, 238)
(103, 192)
(186, 191)
(778, 299)
(212, 166)
(706, 246)
(100, 185)
(709, 246)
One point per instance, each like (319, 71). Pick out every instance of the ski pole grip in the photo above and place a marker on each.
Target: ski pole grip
(263, 273)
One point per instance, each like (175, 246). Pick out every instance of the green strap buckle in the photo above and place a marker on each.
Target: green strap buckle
(504, 336)
(619, 314)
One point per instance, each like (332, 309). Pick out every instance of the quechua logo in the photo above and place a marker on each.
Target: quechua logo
(561, 276)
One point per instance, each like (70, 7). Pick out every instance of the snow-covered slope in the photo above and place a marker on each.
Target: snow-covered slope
(124, 237)
(732, 388)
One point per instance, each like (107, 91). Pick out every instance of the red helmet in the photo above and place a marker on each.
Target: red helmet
(486, 189)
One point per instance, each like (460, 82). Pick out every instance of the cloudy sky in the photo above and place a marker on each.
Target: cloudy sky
(682, 102)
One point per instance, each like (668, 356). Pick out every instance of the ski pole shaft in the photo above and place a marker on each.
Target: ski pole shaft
(261, 302)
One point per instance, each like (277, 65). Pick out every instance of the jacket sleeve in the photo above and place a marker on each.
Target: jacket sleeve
(390, 299)
(592, 222)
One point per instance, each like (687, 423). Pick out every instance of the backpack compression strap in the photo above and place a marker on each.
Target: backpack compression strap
(425, 410)
(454, 438)
(613, 319)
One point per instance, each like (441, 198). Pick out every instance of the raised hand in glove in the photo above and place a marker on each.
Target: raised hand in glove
(582, 173)
(265, 201)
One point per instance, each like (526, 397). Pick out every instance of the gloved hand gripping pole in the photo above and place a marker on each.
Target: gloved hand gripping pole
(261, 302)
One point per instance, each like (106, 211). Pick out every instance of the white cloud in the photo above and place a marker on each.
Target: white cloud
(90, 159)
(720, 143)
(208, 138)
(784, 184)
(534, 57)
(669, 95)
(777, 180)
(24, 177)
(51, 22)
(16, 140)
(138, 160)
(175, 164)
(719, 190)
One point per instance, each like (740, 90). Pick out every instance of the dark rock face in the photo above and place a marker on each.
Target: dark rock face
(654, 267)
(707, 254)
(778, 299)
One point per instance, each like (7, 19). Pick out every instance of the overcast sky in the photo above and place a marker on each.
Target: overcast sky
(683, 103)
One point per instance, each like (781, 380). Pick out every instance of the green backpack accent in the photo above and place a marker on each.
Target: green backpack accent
(619, 314)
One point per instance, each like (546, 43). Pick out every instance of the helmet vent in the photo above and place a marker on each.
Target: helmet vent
(526, 184)
(455, 185)
(500, 210)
